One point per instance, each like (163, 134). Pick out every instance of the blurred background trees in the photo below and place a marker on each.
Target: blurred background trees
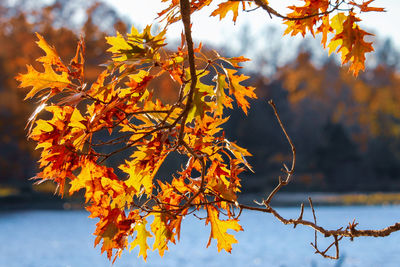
(346, 130)
(60, 23)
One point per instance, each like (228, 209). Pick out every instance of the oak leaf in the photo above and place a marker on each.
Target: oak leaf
(219, 229)
(51, 58)
(161, 232)
(141, 238)
(364, 7)
(239, 91)
(224, 8)
(42, 80)
(352, 44)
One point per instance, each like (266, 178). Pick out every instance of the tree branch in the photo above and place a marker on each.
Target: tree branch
(185, 12)
(272, 11)
(288, 172)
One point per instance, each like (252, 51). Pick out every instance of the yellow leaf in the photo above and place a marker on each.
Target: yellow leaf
(221, 98)
(161, 232)
(138, 177)
(199, 104)
(84, 176)
(91, 177)
(41, 126)
(76, 120)
(337, 22)
(141, 238)
(219, 229)
(57, 111)
(136, 47)
(117, 43)
(337, 26)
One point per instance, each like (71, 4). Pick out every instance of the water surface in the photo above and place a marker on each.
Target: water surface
(63, 238)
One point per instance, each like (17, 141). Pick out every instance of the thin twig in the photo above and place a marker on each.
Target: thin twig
(288, 172)
(301, 214)
(315, 220)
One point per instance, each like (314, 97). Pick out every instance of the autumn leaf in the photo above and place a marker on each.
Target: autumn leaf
(122, 113)
(87, 175)
(118, 44)
(337, 25)
(240, 153)
(217, 177)
(77, 63)
(141, 238)
(325, 28)
(364, 7)
(138, 178)
(309, 11)
(77, 119)
(51, 58)
(352, 44)
(199, 103)
(219, 229)
(42, 80)
(107, 236)
(221, 98)
(143, 167)
(225, 7)
(358, 50)
(239, 91)
(161, 232)
(234, 61)
(200, 106)
(136, 47)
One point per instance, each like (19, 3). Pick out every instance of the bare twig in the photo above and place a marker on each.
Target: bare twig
(288, 172)
(301, 214)
(338, 234)
(315, 220)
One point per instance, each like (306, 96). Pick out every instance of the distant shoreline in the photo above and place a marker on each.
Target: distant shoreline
(55, 202)
(327, 198)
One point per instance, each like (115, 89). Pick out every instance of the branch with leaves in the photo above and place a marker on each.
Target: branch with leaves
(119, 108)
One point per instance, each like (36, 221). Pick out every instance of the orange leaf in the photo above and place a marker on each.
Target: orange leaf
(239, 91)
(42, 80)
(224, 8)
(324, 28)
(353, 47)
(365, 8)
(310, 8)
(51, 58)
(234, 61)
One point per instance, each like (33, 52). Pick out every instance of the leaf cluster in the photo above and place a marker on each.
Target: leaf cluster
(121, 102)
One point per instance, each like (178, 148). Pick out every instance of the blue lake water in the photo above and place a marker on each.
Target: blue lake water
(63, 238)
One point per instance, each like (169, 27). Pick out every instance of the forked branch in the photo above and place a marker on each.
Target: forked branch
(338, 234)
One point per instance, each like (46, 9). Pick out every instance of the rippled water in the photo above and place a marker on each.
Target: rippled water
(63, 238)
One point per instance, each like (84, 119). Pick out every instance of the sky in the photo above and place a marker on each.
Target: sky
(263, 45)
(215, 32)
